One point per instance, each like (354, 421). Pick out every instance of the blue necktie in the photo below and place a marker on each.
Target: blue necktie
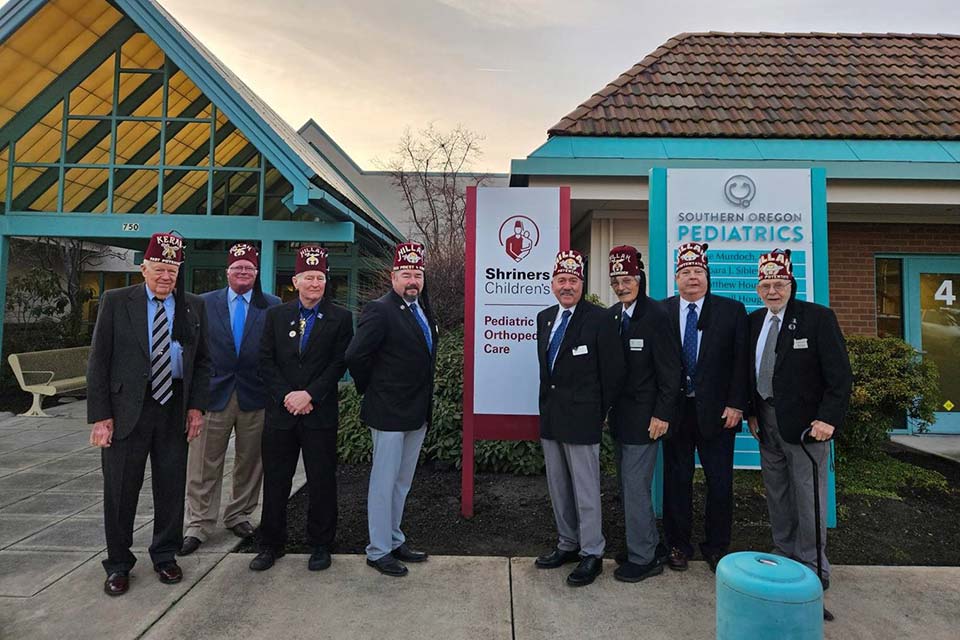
(690, 345)
(307, 325)
(239, 318)
(423, 327)
(624, 323)
(557, 338)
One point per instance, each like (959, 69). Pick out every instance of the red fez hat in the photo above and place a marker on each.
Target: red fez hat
(408, 255)
(692, 254)
(243, 251)
(775, 265)
(569, 262)
(166, 248)
(625, 261)
(311, 258)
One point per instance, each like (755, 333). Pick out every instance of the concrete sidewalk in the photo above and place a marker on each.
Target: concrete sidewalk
(51, 544)
(945, 446)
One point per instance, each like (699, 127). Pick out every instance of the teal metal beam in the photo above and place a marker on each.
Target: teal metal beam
(144, 154)
(72, 76)
(83, 146)
(15, 13)
(192, 227)
(4, 261)
(171, 179)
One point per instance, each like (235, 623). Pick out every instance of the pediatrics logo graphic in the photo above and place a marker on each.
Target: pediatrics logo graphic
(518, 236)
(740, 190)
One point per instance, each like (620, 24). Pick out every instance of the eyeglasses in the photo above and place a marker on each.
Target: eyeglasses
(242, 270)
(767, 287)
(622, 281)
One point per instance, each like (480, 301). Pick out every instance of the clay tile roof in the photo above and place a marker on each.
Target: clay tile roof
(783, 85)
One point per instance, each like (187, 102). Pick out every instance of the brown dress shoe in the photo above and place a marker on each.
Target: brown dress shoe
(677, 560)
(169, 572)
(117, 583)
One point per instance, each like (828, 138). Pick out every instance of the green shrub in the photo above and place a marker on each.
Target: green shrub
(890, 381)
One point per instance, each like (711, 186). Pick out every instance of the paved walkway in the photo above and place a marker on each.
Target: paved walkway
(51, 544)
(945, 446)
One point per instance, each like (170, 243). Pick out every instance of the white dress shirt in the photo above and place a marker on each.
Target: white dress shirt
(556, 321)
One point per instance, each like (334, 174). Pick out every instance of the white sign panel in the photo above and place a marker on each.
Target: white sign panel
(741, 214)
(517, 239)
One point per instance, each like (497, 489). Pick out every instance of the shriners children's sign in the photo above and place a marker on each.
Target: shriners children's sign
(513, 236)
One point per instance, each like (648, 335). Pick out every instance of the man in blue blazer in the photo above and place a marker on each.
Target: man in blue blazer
(235, 318)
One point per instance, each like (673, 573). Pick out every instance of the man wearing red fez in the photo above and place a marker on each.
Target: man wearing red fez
(801, 379)
(643, 411)
(710, 332)
(392, 360)
(235, 317)
(301, 363)
(581, 370)
(148, 379)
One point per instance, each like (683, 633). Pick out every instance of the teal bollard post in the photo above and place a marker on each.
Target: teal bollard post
(766, 597)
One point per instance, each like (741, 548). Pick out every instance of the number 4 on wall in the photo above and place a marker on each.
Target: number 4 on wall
(945, 293)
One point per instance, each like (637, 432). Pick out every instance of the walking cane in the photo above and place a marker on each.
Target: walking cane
(816, 508)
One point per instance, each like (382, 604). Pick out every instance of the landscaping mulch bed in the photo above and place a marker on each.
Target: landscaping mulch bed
(513, 517)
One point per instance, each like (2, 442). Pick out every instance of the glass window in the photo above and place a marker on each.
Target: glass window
(889, 297)
(205, 280)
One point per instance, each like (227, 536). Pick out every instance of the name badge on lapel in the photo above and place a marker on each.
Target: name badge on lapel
(636, 344)
(580, 351)
(800, 343)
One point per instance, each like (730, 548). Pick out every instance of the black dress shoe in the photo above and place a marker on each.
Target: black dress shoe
(265, 559)
(585, 573)
(169, 572)
(632, 572)
(117, 583)
(190, 544)
(319, 560)
(406, 554)
(388, 566)
(677, 560)
(557, 558)
(620, 558)
(243, 530)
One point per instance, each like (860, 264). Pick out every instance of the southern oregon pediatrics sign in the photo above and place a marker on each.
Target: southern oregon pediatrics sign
(741, 214)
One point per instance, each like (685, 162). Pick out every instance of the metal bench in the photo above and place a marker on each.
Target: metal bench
(50, 373)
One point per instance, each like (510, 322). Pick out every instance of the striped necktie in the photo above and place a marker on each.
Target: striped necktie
(161, 366)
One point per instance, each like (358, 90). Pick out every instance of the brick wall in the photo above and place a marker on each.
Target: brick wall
(852, 249)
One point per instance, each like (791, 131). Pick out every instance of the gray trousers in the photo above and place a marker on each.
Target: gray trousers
(395, 455)
(573, 479)
(788, 478)
(635, 465)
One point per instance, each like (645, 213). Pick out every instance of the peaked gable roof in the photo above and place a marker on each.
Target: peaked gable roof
(782, 85)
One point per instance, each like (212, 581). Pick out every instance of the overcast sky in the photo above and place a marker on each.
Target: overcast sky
(508, 69)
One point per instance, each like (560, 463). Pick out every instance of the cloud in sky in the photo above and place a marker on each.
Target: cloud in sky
(508, 69)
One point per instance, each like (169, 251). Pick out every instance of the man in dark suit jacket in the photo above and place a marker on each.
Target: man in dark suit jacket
(392, 360)
(581, 370)
(800, 379)
(643, 411)
(235, 316)
(710, 332)
(301, 363)
(147, 383)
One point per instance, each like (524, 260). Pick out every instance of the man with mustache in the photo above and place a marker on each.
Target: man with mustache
(581, 370)
(643, 410)
(301, 363)
(801, 379)
(392, 360)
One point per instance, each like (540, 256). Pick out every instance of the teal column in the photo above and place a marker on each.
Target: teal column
(4, 259)
(268, 259)
(353, 292)
(659, 268)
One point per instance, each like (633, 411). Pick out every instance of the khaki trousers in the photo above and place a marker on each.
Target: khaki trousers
(205, 469)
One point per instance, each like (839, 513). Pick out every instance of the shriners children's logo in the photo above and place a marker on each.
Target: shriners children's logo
(518, 236)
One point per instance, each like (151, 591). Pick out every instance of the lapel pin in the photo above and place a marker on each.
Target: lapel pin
(292, 334)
